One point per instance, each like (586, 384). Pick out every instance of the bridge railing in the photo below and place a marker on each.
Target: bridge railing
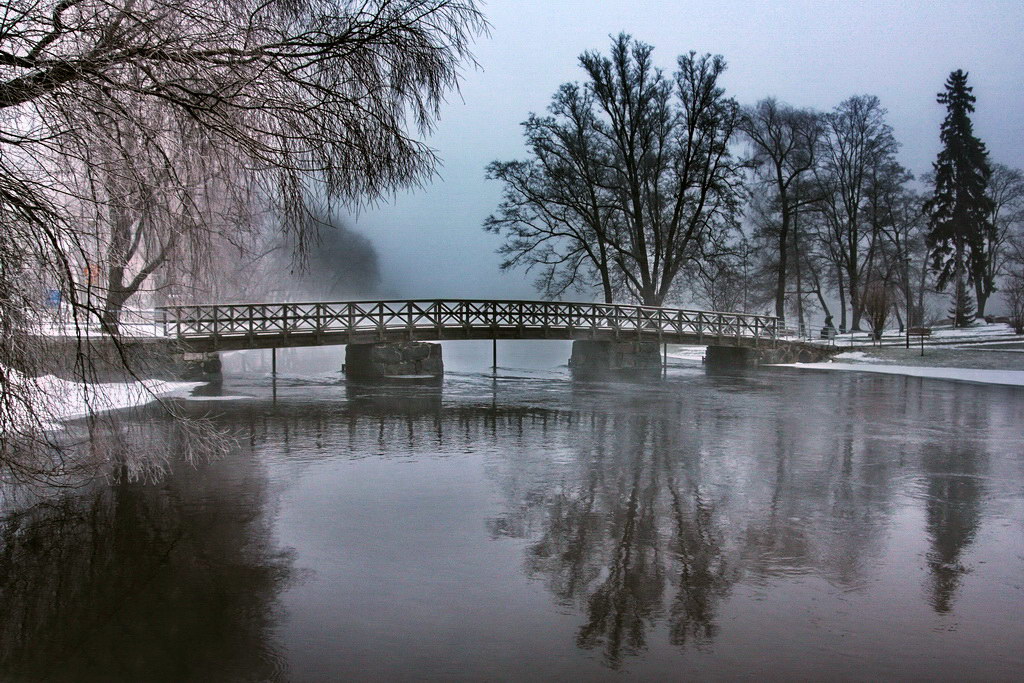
(231, 320)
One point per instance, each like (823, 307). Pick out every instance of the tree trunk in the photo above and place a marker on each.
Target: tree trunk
(922, 282)
(856, 305)
(842, 300)
(606, 282)
(981, 296)
(780, 281)
(960, 288)
(906, 294)
(824, 304)
(110, 318)
(801, 324)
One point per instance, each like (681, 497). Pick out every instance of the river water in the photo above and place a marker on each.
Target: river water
(775, 523)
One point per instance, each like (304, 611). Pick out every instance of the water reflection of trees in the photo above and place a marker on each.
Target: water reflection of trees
(621, 519)
(954, 474)
(135, 581)
(953, 509)
(643, 511)
(662, 509)
(635, 528)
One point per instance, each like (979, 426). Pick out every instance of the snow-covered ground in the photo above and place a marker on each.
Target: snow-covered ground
(64, 400)
(134, 323)
(979, 332)
(687, 353)
(1005, 377)
(990, 354)
(858, 356)
(129, 330)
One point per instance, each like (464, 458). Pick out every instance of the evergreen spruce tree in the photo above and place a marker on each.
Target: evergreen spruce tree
(959, 210)
(963, 310)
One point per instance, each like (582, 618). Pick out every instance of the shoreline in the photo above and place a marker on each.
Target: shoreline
(975, 363)
(1009, 378)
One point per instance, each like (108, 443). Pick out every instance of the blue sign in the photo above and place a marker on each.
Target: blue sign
(53, 298)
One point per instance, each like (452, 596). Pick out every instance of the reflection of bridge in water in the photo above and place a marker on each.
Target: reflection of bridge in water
(594, 326)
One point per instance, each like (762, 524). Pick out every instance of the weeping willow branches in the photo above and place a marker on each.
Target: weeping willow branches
(134, 131)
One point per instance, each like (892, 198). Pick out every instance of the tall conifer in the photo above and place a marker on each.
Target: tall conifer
(959, 209)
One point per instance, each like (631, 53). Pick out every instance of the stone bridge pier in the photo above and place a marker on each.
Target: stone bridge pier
(385, 361)
(593, 359)
(202, 367)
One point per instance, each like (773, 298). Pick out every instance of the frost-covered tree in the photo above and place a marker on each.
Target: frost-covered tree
(124, 126)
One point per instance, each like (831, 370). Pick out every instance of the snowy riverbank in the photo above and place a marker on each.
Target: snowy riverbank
(63, 400)
(978, 375)
(988, 354)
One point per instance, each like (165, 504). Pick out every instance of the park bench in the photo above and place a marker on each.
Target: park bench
(920, 331)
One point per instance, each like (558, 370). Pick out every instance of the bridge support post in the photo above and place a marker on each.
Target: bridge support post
(384, 361)
(594, 359)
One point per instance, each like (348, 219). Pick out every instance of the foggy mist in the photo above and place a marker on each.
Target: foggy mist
(341, 264)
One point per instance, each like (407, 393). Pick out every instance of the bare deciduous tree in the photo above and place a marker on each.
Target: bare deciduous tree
(785, 144)
(130, 130)
(724, 283)
(857, 145)
(877, 300)
(630, 179)
(1013, 286)
(1005, 189)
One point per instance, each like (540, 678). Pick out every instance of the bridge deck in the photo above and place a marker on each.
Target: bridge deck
(224, 327)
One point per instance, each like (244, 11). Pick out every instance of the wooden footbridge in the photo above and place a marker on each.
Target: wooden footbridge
(227, 327)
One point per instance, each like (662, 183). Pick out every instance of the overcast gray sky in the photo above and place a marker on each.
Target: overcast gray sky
(807, 53)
